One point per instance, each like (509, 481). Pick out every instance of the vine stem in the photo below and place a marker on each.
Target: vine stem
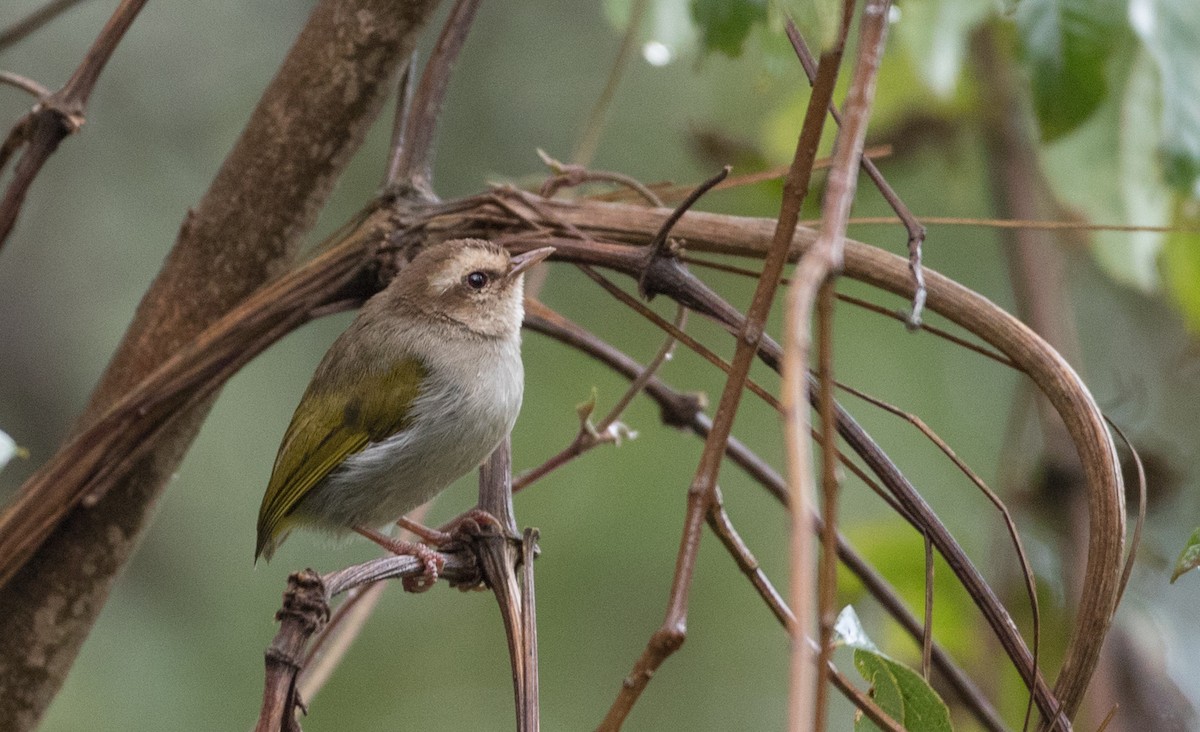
(812, 286)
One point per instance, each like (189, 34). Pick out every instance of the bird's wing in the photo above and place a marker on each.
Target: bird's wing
(326, 429)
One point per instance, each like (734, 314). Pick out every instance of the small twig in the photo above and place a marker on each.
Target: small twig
(58, 115)
(330, 646)
(1135, 538)
(662, 356)
(404, 102)
(499, 554)
(658, 245)
(35, 20)
(589, 140)
(530, 698)
(25, 84)
(1112, 712)
(305, 612)
(811, 287)
(669, 192)
(696, 346)
(606, 431)
(927, 630)
(571, 175)
(722, 526)
(415, 164)
(1021, 223)
(916, 230)
(865, 305)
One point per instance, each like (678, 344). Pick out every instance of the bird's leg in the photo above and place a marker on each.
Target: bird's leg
(430, 560)
(470, 523)
(432, 537)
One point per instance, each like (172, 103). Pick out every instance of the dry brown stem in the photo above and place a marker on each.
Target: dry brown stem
(244, 232)
(78, 517)
(305, 612)
(57, 115)
(35, 20)
(609, 224)
(817, 265)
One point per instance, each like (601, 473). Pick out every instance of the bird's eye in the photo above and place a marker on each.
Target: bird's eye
(476, 280)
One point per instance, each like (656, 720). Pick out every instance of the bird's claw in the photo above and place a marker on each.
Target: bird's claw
(432, 562)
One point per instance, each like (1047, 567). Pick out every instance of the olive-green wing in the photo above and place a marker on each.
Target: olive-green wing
(330, 425)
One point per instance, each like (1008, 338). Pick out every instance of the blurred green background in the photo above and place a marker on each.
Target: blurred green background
(179, 645)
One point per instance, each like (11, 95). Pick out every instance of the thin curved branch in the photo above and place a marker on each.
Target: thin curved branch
(589, 139)
(611, 224)
(59, 115)
(25, 84)
(31, 23)
(414, 164)
(916, 231)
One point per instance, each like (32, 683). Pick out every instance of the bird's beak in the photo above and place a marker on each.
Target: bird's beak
(522, 262)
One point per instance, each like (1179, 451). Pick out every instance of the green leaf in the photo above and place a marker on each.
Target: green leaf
(1189, 558)
(1180, 263)
(935, 33)
(725, 24)
(1169, 29)
(585, 408)
(902, 693)
(898, 690)
(1066, 44)
(1115, 151)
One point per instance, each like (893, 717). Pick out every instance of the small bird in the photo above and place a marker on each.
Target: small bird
(419, 390)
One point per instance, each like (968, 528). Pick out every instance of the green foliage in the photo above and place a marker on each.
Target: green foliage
(724, 24)
(896, 553)
(1169, 29)
(1189, 558)
(898, 690)
(902, 693)
(1115, 150)
(1067, 44)
(935, 34)
(1181, 262)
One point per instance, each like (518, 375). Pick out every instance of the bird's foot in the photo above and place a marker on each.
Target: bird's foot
(475, 522)
(431, 562)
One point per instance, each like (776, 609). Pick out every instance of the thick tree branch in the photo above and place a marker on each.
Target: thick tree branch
(241, 234)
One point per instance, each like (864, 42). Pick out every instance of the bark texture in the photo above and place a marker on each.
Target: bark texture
(242, 233)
